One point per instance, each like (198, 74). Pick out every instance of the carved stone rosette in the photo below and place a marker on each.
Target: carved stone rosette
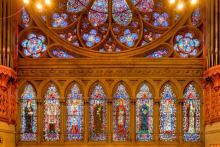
(212, 95)
(7, 94)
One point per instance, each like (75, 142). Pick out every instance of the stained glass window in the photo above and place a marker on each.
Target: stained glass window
(76, 5)
(59, 53)
(196, 16)
(121, 12)
(144, 114)
(186, 44)
(75, 113)
(161, 19)
(89, 27)
(51, 114)
(98, 13)
(25, 18)
(59, 20)
(28, 114)
(191, 114)
(98, 114)
(167, 114)
(34, 45)
(158, 54)
(121, 114)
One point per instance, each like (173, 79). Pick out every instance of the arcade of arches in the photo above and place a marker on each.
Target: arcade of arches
(109, 73)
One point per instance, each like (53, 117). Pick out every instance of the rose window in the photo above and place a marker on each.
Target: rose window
(138, 28)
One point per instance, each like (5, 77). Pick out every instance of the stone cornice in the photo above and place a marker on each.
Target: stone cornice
(110, 68)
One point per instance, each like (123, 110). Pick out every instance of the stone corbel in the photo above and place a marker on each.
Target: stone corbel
(213, 75)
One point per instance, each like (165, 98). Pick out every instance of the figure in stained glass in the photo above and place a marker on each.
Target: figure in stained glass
(29, 114)
(98, 117)
(144, 114)
(190, 120)
(167, 114)
(121, 115)
(75, 114)
(52, 114)
(191, 114)
(98, 114)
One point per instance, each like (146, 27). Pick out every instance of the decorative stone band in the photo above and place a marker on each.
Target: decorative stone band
(7, 94)
(212, 95)
(214, 145)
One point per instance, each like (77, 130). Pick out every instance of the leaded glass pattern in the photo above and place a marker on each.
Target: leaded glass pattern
(51, 114)
(28, 114)
(98, 114)
(34, 45)
(121, 114)
(98, 13)
(59, 53)
(186, 44)
(75, 114)
(25, 18)
(158, 54)
(144, 114)
(167, 114)
(191, 114)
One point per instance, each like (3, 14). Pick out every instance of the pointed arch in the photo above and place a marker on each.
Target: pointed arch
(75, 113)
(121, 114)
(191, 113)
(28, 113)
(51, 113)
(167, 113)
(98, 113)
(144, 113)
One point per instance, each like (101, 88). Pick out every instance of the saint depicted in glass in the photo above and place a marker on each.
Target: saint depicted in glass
(121, 115)
(191, 114)
(28, 114)
(74, 105)
(144, 114)
(51, 114)
(98, 114)
(167, 114)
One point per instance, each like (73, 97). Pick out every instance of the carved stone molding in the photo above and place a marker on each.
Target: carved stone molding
(212, 95)
(7, 94)
(110, 68)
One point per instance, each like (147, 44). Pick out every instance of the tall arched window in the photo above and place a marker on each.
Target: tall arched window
(28, 114)
(144, 114)
(121, 114)
(167, 114)
(191, 114)
(51, 114)
(98, 114)
(75, 113)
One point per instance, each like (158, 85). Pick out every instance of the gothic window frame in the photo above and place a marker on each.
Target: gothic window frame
(18, 129)
(200, 101)
(152, 91)
(128, 99)
(82, 99)
(106, 112)
(43, 93)
(175, 94)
